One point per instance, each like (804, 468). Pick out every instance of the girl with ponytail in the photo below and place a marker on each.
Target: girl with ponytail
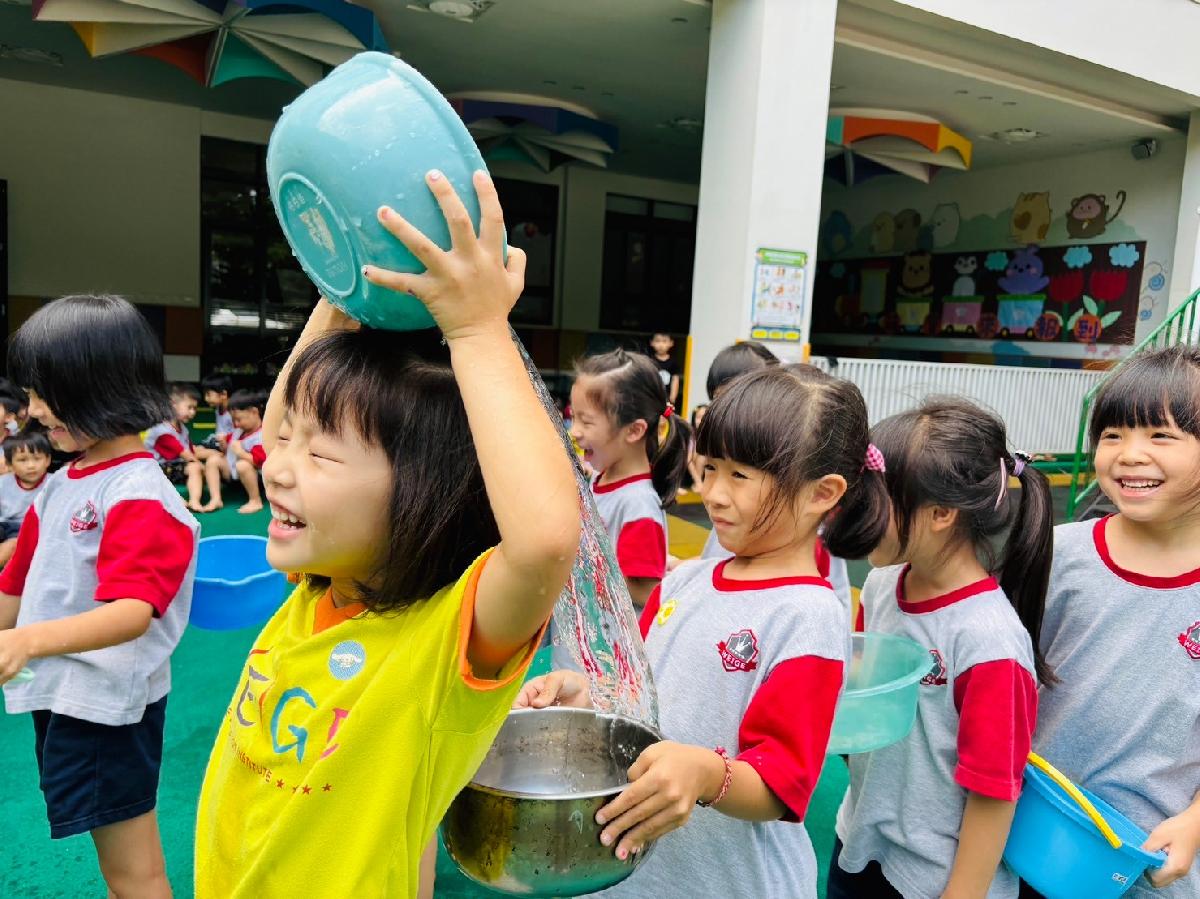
(962, 571)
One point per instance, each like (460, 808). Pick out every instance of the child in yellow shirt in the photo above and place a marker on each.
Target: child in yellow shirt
(435, 518)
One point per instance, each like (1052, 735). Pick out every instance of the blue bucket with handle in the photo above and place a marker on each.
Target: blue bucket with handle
(1067, 843)
(363, 137)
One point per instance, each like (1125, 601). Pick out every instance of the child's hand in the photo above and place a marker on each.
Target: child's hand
(469, 289)
(667, 781)
(1180, 836)
(14, 654)
(566, 688)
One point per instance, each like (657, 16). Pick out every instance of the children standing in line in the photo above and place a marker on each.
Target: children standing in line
(97, 593)
(661, 345)
(170, 442)
(243, 457)
(928, 817)
(28, 458)
(734, 644)
(1122, 626)
(373, 694)
(620, 411)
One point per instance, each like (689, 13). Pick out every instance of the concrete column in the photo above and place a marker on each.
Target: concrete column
(1185, 268)
(766, 103)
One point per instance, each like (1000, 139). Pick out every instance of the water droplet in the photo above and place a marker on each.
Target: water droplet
(356, 221)
(375, 154)
(412, 134)
(400, 196)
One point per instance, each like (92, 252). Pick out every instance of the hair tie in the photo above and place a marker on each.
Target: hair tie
(668, 412)
(874, 459)
(1019, 460)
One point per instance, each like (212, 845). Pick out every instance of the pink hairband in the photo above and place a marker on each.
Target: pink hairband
(1019, 460)
(874, 459)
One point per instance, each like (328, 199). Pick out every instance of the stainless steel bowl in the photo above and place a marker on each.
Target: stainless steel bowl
(526, 825)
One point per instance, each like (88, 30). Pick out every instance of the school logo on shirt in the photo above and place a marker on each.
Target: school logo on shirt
(937, 673)
(347, 659)
(665, 612)
(85, 519)
(1190, 641)
(740, 651)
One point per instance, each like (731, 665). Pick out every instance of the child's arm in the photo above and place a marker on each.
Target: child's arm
(985, 825)
(674, 395)
(10, 606)
(118, 621)
(530, 484)
(640, 589)
(1180, 836)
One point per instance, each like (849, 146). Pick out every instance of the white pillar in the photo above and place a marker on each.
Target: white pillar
(1185, 267)
(766, 103)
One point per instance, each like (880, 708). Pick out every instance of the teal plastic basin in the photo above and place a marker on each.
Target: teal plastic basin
(363, 137)
(879, 704)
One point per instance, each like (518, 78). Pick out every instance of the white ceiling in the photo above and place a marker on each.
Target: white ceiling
(634, 65)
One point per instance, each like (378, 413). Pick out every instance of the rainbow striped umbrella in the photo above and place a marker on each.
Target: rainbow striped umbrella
(216, 41)
(863, 143)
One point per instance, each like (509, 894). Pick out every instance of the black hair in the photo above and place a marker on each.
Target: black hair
(397, 392)
(1147, 389)
(628, 388)
(248, 399)
(701, 408)
(8, 387)
(798, 424)
(95, 361)
(180, 389)
(952, 453)
(30, 441)
(10, 403)
(218, 383)
(735, 360)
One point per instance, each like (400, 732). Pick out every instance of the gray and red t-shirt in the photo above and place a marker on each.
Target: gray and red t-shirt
(976, 712)
(252, 443)
(115, 530)
(636, 523)
(1124, 719)
(224, 422)
(168, 440)
(755, 667)
(16, 498)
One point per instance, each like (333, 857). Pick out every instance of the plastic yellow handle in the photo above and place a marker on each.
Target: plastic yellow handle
(1082, 801)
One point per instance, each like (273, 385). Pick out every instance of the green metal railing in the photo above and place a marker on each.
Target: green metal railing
(1176, 328)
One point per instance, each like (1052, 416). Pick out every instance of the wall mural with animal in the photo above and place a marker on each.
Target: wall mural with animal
(1086, 293)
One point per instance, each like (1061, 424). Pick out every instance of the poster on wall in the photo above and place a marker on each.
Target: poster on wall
(1086, 294)
(778, 300)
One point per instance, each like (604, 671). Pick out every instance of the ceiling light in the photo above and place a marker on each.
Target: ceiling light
(984, 98)
(30, 54)
(679, 20)
(459, 10)
(960, 91)
(684, 123)
(1016, 135)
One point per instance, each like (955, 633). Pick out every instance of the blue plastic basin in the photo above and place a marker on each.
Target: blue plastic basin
(1058, 851)
(363, 137)
(235, 587)
(879, 704)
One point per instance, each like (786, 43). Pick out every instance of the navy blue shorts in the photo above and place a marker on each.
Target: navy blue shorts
(97, 774)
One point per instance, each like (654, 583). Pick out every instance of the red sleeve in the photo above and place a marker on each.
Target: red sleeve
(168, 446)
(785, 740)
(822, 558)
(997, 711)
(12, 578)
(144, 554)
(258, 455)
(650, 610)
(642, 549)
(860, 620)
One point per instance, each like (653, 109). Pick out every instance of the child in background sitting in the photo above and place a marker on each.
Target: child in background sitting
(170, 442)
(243, 457)
(216, 390)
(28, 458)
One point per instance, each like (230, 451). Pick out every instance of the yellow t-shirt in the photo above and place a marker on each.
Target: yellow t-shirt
(345, 742)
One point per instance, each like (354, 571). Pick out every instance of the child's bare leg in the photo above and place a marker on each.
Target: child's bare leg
(131, 858)
(428, 869)
(7, 548)
(215, 468)
(203, 453)
(195, 485)
(248, 475)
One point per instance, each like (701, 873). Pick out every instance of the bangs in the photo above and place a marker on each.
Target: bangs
(740, 427)
(1151, 391)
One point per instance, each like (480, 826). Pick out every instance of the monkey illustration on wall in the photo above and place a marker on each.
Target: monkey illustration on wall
(1089, 214)
(1030, 218)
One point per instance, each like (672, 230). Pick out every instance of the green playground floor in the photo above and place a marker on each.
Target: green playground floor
(204, 669)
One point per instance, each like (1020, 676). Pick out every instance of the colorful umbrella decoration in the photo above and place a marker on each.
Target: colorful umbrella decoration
(542, 135)
(863, 143)
(216, 41)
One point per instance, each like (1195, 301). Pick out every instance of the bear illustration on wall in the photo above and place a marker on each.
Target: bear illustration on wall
(916, 280)
(1030, 218)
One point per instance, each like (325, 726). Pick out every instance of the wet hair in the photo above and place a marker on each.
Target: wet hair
(217, 383)
(182, 389)
(398, 393)
(95, 361)
(735, 360)
(949, 452)
(31, 441)
(628, 388)
(798, 424)
(248, 399)
(1147, 389)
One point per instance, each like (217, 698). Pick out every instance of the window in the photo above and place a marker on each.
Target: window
(531, 216)
(649, 249)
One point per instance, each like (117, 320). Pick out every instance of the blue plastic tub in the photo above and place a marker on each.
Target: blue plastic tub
(363, 137)
(879, 704)
(1058, 851)
(235, 587)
